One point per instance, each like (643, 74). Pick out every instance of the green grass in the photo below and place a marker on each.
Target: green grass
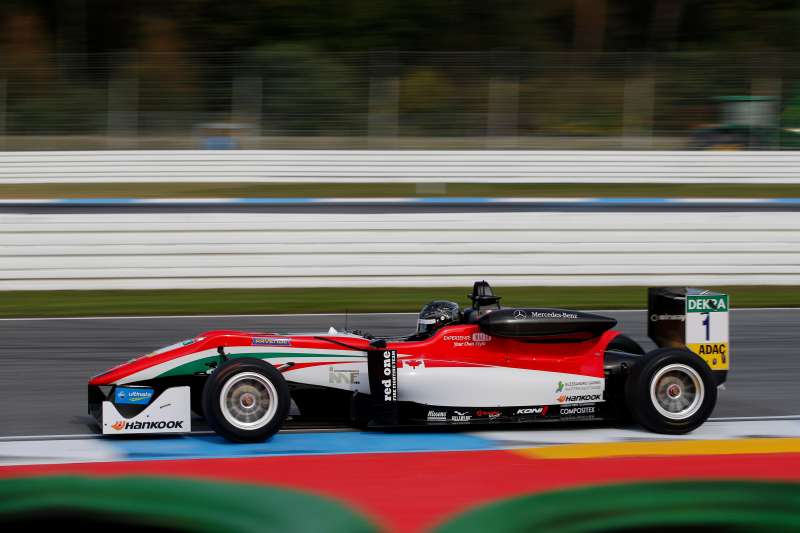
(271, 301)
(287, 190)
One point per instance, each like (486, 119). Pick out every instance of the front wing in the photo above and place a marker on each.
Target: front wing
(167, 412)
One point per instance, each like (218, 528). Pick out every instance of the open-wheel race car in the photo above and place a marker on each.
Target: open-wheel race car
(480, 366)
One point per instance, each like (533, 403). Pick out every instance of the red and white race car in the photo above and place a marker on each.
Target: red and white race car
(483, 365)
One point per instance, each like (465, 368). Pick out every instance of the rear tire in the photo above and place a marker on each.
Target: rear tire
(671, 391)
(623, 343)
(246, 400)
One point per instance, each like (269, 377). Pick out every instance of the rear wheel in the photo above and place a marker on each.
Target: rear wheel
(671, 391)
(623, 343)
(246, 400)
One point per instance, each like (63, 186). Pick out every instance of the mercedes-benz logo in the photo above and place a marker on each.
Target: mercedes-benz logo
(519, 314)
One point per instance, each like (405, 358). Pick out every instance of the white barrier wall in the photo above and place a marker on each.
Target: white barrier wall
(352, 166)
(236, 249)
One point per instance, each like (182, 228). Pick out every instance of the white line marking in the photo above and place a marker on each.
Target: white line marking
(199, 316)
(142, 317)
(349, 429)
(79, 436)
(753, 418)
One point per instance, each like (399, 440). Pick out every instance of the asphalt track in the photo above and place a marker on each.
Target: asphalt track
(44, 363)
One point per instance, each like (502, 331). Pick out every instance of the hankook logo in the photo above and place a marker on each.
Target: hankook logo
(578, 398)
(123, 424)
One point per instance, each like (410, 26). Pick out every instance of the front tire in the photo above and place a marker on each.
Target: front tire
(671, 391)
(246, 400)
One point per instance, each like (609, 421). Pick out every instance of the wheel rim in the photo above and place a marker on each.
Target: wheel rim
(248, 400)
(677, 391)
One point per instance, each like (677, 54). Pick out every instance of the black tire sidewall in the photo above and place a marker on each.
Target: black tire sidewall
(637, 391)
(623, 343)
(213, 410)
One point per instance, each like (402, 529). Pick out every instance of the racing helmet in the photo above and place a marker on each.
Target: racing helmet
(437, 314)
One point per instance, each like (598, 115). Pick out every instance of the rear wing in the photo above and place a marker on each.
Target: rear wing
(697, 319)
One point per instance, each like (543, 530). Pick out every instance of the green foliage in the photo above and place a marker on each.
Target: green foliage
(59, 108)
(306, 92)
(336, 300)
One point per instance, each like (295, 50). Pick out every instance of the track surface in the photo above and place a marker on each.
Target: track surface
(44, 364)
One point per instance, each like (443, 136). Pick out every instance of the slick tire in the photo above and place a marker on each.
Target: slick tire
(623, 343)
(246, 400)
(670, 391)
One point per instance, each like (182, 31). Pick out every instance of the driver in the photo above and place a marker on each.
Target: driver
(435, 315)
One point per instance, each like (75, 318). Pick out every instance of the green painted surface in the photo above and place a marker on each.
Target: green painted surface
(172, 504)
(732, 506)
(329, 300)
(362, 190)
(201, 364)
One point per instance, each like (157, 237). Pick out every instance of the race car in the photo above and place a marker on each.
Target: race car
(479, 366)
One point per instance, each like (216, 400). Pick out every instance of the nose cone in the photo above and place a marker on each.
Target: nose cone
(110, 376)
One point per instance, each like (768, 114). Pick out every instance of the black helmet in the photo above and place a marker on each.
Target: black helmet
(437, 314)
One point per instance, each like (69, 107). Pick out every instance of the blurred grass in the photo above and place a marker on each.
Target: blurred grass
(339, 300)
(289, 190)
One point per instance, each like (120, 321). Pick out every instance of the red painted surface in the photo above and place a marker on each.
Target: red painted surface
(452, 346)
(412, 491)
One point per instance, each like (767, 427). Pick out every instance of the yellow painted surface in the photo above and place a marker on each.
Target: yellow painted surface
(671, 447)
(716, 354)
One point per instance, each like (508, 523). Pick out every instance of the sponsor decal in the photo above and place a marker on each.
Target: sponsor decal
(271, 341)
(437, 416)
(389, 380)
(461, 416)
(532, 411)
(169, 348)
(564, 398)
(586, 410)
(342, 377)
(700, 303)
(132, 396)
(592, 385)
(491, 415)
(720, 349)
(413, 363)
(657, 318)
(519, 314)
(476, 339)
(161, 424)
(553, 314)
(715, 354)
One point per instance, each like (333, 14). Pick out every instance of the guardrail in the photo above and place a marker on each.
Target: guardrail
(353, 166)
(147, 250)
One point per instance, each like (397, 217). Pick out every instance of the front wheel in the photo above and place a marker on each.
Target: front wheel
(246, 400)
(671, 391)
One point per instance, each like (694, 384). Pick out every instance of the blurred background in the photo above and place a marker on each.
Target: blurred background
(559, 149)
(355, 74)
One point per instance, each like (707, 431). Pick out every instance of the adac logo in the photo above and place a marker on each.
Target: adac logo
(119, 426)
(560, 386)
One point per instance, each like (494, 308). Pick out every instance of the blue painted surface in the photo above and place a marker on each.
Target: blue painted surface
(588, 202)
(210, 446)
